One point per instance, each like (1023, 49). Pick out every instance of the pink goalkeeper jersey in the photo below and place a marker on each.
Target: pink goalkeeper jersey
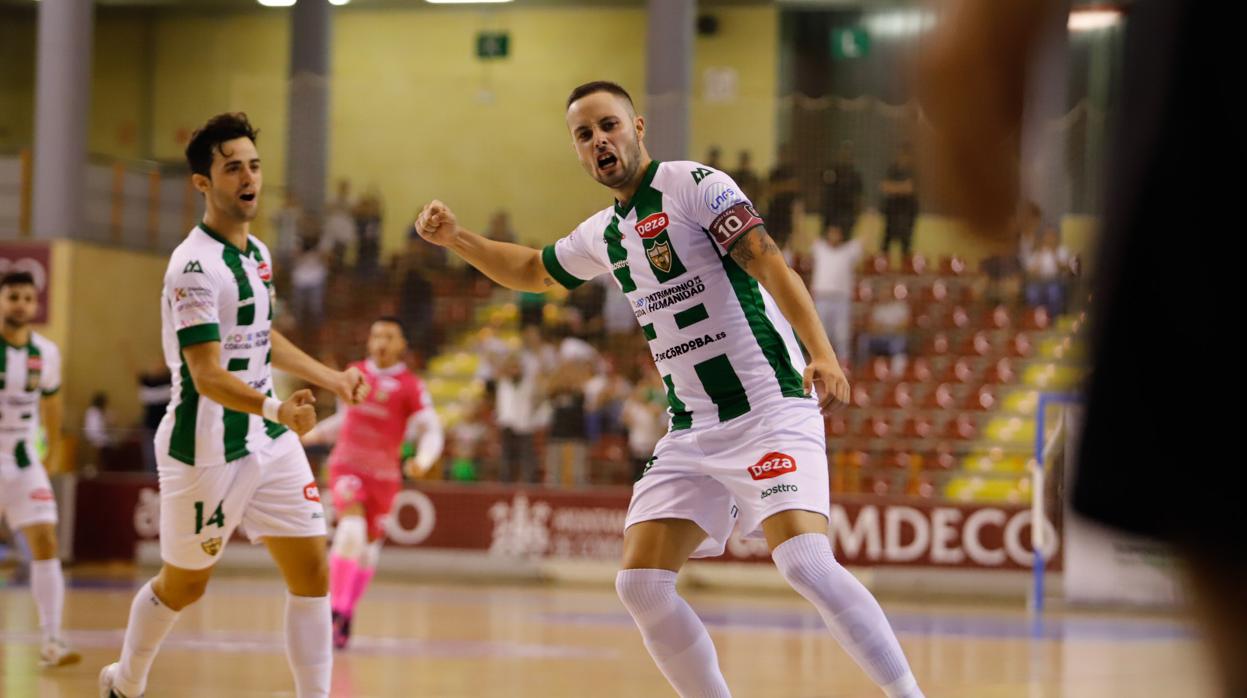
(373, 431)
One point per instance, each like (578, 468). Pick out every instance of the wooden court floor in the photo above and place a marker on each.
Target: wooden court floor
(443, 640)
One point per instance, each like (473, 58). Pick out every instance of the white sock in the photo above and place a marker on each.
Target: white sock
(850, 611)
(150, 621)
(47, 585)
(673, 634)
(309, 644)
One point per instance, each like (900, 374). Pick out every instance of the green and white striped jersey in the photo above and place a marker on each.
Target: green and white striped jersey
(215, 292)
(27, 374)
(717, 337)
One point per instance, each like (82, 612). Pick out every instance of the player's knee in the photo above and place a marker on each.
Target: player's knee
(42, 541)
(178, 592)
(641, 592)
(809, 571)
(350, 538)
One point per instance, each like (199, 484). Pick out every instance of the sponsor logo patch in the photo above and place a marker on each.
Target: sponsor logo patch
(345, 488)
(310, 493)
(719, 197)
(42, 494)
(652, 225)
(772, 465)
(691, 345)
(778, 489)
(266, 272)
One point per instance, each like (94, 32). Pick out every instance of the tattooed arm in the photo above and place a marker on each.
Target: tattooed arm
(758, 255)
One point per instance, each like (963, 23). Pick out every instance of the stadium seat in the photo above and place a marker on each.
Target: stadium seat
(1036, 319)
(915, 265)
(941, 398)
(952, 266)
(962, 427)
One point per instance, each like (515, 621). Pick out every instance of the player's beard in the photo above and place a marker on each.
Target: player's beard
(629, 162)
(15, 323)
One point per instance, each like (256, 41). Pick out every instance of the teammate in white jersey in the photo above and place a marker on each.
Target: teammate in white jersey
(30, 383)
(715, 300)
(227, 450)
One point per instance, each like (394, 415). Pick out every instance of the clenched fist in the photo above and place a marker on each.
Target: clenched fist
(437, 223)
(298, 412)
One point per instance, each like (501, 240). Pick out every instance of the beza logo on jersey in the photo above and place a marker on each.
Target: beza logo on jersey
(719, 196)
(266, 273)
(652, 225)
(310, 493)
(34, 372)
(772, 465)
(660, 256)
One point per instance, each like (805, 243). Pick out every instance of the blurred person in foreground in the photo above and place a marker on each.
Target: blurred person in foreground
(974, 78)
(714, 298)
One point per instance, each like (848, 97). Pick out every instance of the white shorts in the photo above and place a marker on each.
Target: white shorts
(269, 495)
(25, 494)
(736, 474)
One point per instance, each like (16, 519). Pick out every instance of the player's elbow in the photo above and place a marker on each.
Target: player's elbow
(204, 377)
(534, 277)
(770, 270)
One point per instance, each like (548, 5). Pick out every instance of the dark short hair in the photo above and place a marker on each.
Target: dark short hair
(600, 86)
(211, 136)
(17, 278)
(393, 320)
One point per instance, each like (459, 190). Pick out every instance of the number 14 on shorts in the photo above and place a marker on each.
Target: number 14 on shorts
(217, 519)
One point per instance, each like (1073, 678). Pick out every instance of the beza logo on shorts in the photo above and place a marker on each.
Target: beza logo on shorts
(42, 494)
(266, 273)
(719, 196)
(652, 225)
(310, 493)
(772, 465)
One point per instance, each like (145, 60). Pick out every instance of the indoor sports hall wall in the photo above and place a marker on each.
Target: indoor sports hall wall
(119, 70)
(104, 303)
(413, 112)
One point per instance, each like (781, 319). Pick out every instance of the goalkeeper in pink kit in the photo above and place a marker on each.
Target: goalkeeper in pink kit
(364, 468)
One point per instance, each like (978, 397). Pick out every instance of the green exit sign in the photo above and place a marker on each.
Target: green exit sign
(847, 44)
(492, 45)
